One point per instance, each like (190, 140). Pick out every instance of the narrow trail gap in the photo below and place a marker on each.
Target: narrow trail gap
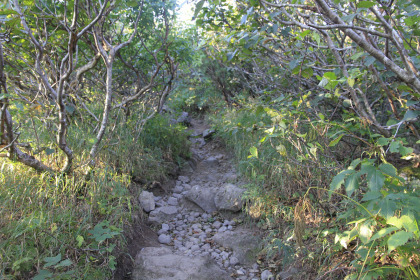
(199, 221)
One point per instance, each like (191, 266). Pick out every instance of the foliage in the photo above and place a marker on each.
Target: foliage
(64, 227)
(321, 87)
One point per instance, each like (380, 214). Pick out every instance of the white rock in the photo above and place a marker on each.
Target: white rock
(147, 201)
(217, 224)
(178, 189)
(195, 248)
(184, 179)
(164, 239)
(210, 162)
(266, 275)
(201, 196)
(161, 263)
(233, 261)
(173, 201)
(222, 229)
(229, 197)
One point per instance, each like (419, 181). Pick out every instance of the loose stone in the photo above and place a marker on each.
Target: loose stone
(164, 239)
(266, 275)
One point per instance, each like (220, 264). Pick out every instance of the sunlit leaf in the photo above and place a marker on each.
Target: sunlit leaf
(366, 4)
(254, 152)
(398, 239)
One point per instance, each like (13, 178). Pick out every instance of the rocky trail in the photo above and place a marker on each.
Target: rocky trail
(199, 221)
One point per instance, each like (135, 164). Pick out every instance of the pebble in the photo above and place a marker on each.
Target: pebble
(266, 275)
(192, 231)
(222, 229)
(233, 261)
(217, 224)
(173, 201)
(164, 239)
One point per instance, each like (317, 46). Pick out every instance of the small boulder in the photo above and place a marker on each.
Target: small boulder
(202, 197)
(229, 197)
(173, 201)
(244, 244)
(266, 275)
(184, 179)
(210, 162)
(163, 214)
(164, 239)
(147, 201)
(184, 118)
(161, 264)
(208, 133)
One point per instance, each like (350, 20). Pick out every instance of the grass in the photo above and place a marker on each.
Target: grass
(280, 169)
(64, 227)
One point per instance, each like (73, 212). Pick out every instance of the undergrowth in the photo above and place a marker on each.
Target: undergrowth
(360, 223)
(66, 227)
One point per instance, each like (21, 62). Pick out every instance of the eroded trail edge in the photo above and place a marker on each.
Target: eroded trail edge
(199, 221)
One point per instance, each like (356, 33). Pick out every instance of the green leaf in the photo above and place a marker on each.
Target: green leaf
(330, 76)
(383, 141)
(387, 208)
(394, 147)
(231, 55)
(405, 150)
(316, 37)
(369, 60)
(338, 180)
(350, 81)
(65, 263)
(198, 7)
(49, 151)
(50, 261)
(335, 141)
(405, 221)
(383, 232)
(376, 180)
(281, 149)
(43, 274)
(244, 18)
(357, 55)
(371, 195)
(7, 12)
(388, 169)
(411, 115)
(352, 183)
(254, 152)
(366, 4)
(398, 239)
(365, 233)
(307, 73)
(29, 2)
(80, 240)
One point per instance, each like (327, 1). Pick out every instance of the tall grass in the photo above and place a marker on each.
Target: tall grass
(56, 226)
(283, 155)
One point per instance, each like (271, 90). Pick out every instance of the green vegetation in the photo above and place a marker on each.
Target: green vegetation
(318, 100)
(57, 226)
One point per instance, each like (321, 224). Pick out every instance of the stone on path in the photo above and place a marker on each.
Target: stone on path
(159, 263)
(266, 275)
(184, 118)
(184, 179)
(210, 162)
(229, 197)
(163, 214)
(164, 239)
(208, 133)
(202, 197)
(244, 244)
(147, 201)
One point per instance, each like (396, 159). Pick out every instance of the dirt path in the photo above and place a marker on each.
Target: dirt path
(199, 221)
